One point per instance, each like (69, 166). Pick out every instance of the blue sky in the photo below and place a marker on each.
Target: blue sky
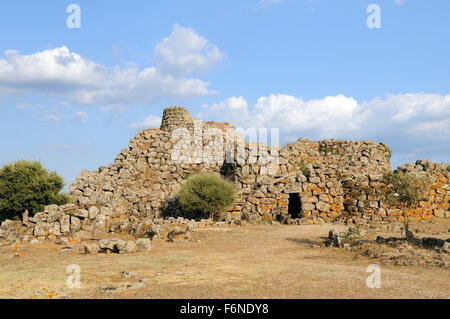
(72, 98)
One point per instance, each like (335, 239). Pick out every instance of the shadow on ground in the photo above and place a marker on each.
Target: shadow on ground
(305, 241)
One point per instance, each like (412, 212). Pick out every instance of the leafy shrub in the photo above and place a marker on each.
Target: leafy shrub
(353, 236)
(448, 168)
(325, 149)
(28, 186)
(402, 190)
(205, 194)
(301, 166)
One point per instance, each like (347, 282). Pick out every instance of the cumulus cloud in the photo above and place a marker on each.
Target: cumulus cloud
(61, 72)
(185, 52)
(412, 123)
(80, 116)
(323, 116)
(149, 122)
(235, 108)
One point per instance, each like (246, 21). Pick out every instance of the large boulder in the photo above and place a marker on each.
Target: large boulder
(108, 244)
(65, 224)
(75, 224)
(40, 229)
(126, 247)
(54, 229)
(144, 244)
(91, 248)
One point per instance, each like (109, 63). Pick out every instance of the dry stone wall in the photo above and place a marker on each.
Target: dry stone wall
(437, 201)
(329, 179)
(304, 182)
(318, 176)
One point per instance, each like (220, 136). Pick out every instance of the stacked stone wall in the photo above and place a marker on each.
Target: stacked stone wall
(333, 179)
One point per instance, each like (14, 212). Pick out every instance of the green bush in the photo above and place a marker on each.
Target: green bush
(353, 236)
(448, 168)
(302, 167)
(206, 194)
(402, 190)
(27, 185)
(325, 149)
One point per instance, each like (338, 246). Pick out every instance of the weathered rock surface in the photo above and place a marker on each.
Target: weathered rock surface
(143, 244)
(332, 180)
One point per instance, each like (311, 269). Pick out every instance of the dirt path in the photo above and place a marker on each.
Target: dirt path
(258, 261)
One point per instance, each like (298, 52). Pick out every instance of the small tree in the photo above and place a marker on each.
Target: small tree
(28, 186)
(206, 194)
(402, 191)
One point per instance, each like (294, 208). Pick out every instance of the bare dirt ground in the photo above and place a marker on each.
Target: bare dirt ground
(252, 261)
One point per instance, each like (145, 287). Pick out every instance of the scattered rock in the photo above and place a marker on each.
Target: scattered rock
(107, 289)
(135, 286)
(446, 247)
(144, 244)
(126, 247)
(353, 236)
(403, 253)
(67, 250)
(126, 274)
(60, 241)
(91, 249)
(108, 244)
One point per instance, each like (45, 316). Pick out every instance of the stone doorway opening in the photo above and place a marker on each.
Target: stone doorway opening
(295, 206)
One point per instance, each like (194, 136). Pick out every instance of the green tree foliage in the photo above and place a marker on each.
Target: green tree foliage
(206, 194)
(402, 190)
(27, 185)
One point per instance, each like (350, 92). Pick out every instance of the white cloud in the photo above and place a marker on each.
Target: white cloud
(80, 116)
(290, 113)
(231, 108)
(399, 2)
(149, 122)
(185, 52)
(61, 72)
(411, 123)
(53, 118)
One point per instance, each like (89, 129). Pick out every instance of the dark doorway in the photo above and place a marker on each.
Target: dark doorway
(295, 205)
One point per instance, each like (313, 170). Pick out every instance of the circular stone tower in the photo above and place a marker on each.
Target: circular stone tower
(176, 116)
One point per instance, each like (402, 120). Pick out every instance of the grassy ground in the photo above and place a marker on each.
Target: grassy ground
(254, 261)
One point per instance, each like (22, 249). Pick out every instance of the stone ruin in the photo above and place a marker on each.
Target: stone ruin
(303, 182)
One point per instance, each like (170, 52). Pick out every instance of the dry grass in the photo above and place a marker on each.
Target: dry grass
(258, 261)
